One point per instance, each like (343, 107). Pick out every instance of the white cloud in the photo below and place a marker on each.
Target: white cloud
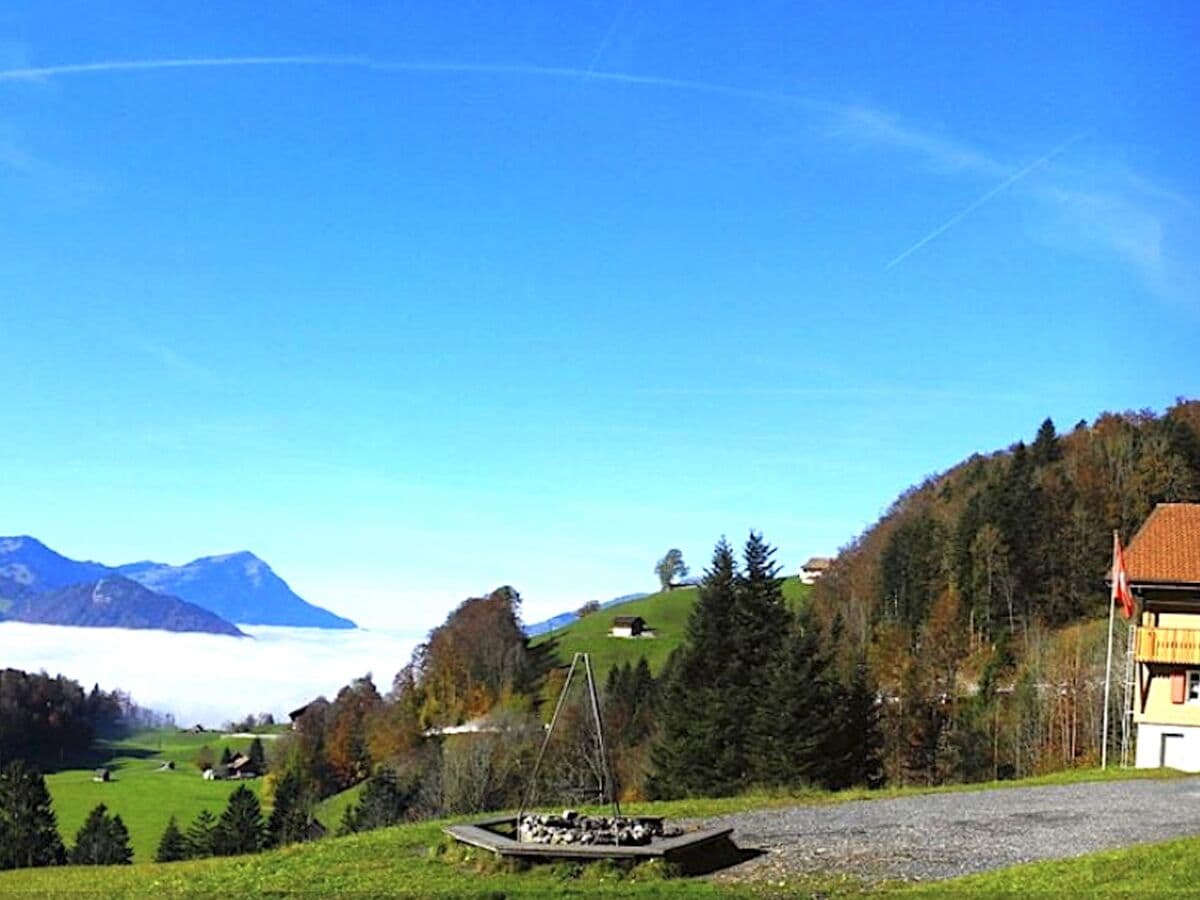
(209, 678)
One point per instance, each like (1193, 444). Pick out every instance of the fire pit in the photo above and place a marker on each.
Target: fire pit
(592, 842)
(576, 836)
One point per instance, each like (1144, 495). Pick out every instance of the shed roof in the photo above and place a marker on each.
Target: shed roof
(1166, 549)
(817, 564)
(622, 621)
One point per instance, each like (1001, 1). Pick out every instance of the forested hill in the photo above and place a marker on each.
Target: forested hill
(976, 601)
(1021, 535)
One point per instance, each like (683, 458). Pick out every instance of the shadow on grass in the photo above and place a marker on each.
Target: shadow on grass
(713, 857)
(101, 755)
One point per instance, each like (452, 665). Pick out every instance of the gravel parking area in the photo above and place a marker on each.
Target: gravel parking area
(944, 835)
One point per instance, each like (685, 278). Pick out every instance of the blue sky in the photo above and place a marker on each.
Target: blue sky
(418, 301)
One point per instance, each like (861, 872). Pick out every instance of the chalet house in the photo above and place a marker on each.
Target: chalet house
(628, 627)
(1163, 564)
(241, 767)
(297, 715)
(814, 568)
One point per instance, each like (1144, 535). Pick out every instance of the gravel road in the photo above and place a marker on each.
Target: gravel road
(943, 835)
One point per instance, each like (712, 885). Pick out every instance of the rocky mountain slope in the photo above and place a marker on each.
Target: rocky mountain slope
(115, 602)
(237, 587)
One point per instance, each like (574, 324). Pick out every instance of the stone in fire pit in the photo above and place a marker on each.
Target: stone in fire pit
(572, 828)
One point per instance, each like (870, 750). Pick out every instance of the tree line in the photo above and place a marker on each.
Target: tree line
(50, 720)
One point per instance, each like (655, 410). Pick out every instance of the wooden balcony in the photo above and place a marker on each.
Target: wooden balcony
(1167, 645)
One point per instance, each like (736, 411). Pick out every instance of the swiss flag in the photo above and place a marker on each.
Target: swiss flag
(1120, 580)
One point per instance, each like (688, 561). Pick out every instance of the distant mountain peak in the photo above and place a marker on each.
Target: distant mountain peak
(238, 586)
(234, 587)
(113, 601)
(28, 561)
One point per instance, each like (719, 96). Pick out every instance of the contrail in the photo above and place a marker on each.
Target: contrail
(142, 65)
(979, 201)
(572, 73)
(608, 36)
(362, 62)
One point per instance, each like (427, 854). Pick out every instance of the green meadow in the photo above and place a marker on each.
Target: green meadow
(666, 613)
(417, 860)
(143, 796)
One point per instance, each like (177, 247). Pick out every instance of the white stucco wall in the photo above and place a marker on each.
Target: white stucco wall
(1184, 750)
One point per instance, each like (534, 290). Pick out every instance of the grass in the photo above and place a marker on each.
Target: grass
(144, 797)
(416, 860)
(330, 810)
(412, 860)
(1148, 870)
(665, 612)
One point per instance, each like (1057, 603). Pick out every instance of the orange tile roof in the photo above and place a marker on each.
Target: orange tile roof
(1166, 549)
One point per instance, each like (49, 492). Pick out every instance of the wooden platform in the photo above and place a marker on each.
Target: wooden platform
(485, 836)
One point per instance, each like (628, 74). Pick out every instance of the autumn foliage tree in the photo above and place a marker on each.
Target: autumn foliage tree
(973, 597)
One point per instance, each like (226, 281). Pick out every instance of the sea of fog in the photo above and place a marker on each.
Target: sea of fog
(204, 678)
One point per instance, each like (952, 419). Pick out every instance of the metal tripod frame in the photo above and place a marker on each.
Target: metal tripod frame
(608, 781)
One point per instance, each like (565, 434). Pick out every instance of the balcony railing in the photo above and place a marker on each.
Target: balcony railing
(1168, 645)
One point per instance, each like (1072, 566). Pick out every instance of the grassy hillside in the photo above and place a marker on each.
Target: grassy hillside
(329, 811)
(144, 797)
(416, 860)
(665, 612)
(1152, 870)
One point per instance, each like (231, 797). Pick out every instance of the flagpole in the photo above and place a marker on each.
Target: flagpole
(1112, 606)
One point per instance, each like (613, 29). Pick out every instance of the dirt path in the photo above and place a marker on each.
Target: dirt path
(943, 835)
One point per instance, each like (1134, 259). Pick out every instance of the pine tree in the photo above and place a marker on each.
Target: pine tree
(28, 830)
(384, 801)
(241, 828)
(226, 755)
(700, 745)
(859, 736)
(1045, 448)
(201, 835)
(173, 846)
(760, 627)
(258, 759)
(793, 724)
(291, 814)
(102, 840)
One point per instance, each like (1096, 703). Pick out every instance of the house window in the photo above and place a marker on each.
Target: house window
(1193, 686)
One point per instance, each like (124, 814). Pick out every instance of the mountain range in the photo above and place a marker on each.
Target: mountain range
(208, 594)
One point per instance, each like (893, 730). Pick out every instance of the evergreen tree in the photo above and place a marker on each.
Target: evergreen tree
(1045, 448)
(793, 725)
(28, 830)
(258, 759)
(201, 836)
(720, 682)
(102, 840)
(241, 828)
(291, 815)
(699, 750)
(226, 755)
(384, 802)
(760, 625)
(172, 846)
(859, 737)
